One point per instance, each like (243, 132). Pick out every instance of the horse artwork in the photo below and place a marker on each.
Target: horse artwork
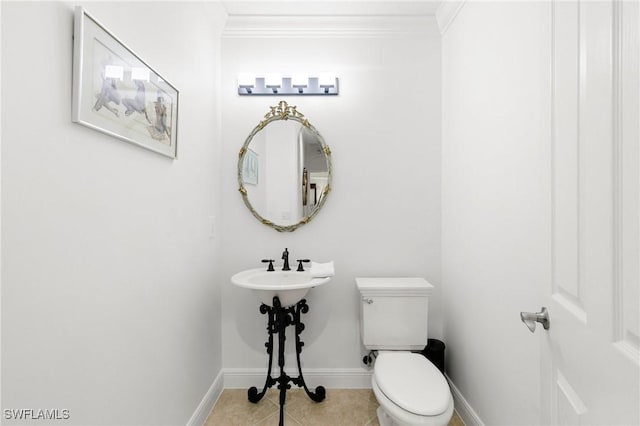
(119, 94)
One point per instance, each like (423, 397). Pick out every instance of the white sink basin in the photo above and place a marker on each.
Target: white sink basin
(289, 286)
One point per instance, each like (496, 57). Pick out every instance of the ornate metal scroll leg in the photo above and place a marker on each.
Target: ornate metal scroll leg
(282, 320)
(320, 392)
(252, 393)
(279, 319)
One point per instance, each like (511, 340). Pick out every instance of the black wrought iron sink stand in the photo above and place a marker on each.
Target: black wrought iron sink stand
(279, 319)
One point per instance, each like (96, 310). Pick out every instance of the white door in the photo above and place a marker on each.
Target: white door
(591, 352)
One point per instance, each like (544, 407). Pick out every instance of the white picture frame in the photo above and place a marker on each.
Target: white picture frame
(117, 93)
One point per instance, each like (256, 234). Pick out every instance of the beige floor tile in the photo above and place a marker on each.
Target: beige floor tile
(233, 408)
(274, 420)
(340, 407)
(347, 407)
(456, 420)
(373, 422)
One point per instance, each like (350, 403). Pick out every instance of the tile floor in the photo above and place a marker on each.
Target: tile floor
(347, 407)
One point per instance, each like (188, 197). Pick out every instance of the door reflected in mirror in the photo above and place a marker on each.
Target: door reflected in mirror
(284, 169)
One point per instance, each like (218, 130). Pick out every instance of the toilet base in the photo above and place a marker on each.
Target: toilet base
(384, 419)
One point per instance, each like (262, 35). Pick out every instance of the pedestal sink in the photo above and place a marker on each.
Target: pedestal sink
(289, 286)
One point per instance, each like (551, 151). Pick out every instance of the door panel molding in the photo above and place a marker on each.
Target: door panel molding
(565, 141)
(569, 407)
(626, 132)
(567, 145)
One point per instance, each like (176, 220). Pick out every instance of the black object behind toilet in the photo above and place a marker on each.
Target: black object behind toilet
(434, 351)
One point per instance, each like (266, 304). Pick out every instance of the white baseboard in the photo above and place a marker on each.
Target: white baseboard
(206, 405)
(330, 378)
(464, 409)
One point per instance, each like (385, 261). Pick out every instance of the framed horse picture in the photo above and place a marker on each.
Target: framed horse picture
(117, 93)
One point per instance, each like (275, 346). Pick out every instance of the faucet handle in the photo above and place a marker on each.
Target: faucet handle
(270, 268)
(300, 268)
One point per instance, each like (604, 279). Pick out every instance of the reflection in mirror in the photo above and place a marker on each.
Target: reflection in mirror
(284, 169)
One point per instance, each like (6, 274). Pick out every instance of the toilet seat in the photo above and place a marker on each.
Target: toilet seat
(412, 382)
(411, 389)
(403, 417)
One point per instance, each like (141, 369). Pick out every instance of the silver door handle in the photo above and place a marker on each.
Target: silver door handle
(531, 318)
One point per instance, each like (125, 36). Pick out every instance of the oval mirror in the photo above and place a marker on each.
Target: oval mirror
(284, 169)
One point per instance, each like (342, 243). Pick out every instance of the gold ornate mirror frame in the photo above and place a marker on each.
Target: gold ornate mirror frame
(283, 111)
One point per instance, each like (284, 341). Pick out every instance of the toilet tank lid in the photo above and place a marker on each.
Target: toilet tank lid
(412, 382)
(390, 285)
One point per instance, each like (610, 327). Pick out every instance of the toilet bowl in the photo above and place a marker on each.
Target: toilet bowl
(410, 390)
(393, 321)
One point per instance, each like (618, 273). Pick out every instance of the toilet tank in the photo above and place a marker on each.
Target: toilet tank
(394, 312)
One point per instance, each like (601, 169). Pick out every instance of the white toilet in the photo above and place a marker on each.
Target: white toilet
(393, 321)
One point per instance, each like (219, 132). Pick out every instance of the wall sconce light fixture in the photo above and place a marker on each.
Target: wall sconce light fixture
(273, 82)
(297, 84)
(326, 81)
(246, 82)
(300, 82)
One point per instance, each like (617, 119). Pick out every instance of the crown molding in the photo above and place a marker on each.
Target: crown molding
(331, 7)
(251, 26)
(447, 12)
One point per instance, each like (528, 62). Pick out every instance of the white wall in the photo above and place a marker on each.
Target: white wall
(495, 169)
(110, 298)
(383, 216)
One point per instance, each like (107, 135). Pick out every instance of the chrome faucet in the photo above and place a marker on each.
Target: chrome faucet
(285, 257)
